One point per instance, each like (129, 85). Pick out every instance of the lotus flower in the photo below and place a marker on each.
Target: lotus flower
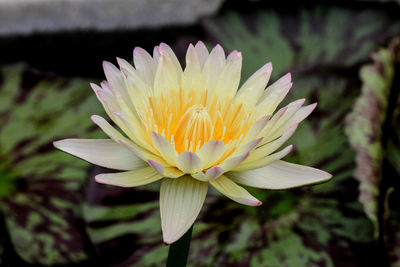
(192, 128)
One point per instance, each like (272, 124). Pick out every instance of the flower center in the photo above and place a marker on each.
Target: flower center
(193, 129)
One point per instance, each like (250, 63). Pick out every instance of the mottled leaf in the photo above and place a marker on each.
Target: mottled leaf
(41, 203)
(365, 125)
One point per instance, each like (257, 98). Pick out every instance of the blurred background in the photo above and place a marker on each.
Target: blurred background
(342, 54)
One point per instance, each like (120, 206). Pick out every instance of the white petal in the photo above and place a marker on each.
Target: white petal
(253, 88)
(103, 152)
(133, 178)
(180, 203)
(232, 162)
(247, 147)
(171, 172)
(166, 78)
(280, 126)
(117, 84)
(297, 117)
(211, 152)
(263, 161)
(192, 76)
(144, 64)
(143, 154)
(228, 81)
(269, 148)
(213, 67)
(202, 52)
(166, 149)
(210, 174)
(273, 95)
(166, 50)
(280, 175)
(189, 162)
(256, 129)
(108, 129)
(235, 192)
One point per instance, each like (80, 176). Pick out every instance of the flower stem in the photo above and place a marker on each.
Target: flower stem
(179, 250)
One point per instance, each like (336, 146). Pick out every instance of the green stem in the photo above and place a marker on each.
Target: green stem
(179, 250)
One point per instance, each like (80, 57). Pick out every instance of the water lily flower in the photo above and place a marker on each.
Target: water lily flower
(192, 128)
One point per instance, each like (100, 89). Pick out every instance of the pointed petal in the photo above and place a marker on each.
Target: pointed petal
(171, 172)
(192, 76)
(269, 148)
(144, 64)
(253, 88)
(180, 203)
(166, 78)
(297, 117)
(108, 129)
(280, 175)
(263, 161)
(211, 174)
(273, 95)
(212, 69)
(231, 163)
(228, 81)
(133, 178)
(166, 50)
(202, 52)
(113, 75)
(233, 191)
(189, 162)
(256, 128)
(247, 147)
(166, 149)
(211, 152)
(103, 152)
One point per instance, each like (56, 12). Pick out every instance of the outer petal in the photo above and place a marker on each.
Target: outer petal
(297, 117)
(280, 175)
(180, 203)
(273, 95)
(103, 152)
(211, 152)
(144, 64)
(213, 67)
(228, 81)
(202, 52)
(253, 88)
(192, 77)
(136, 177)
(263, 161)
(167, 79)
(269, 148)
(235, 192)
(256, 128)
(189, 162)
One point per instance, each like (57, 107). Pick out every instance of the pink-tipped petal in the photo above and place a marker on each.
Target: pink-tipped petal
(280, 175)
(180, 203)
(233, 191)
(133, 178)
(189, 162)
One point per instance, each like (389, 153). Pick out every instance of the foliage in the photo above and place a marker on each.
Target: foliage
(41, 203)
